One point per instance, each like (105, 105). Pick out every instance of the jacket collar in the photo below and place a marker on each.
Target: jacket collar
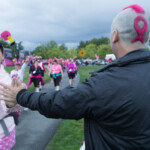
(137, 56)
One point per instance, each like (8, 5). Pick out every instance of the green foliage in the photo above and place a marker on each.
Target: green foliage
(16, 48)
(95, 46)
(97, 42)
(52, 50)
(62, 47)
(90, 51)
(5, 44)
(104, 49)
(146, 47)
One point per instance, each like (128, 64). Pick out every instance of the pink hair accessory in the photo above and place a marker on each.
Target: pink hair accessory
(137, 8)
(140, 31)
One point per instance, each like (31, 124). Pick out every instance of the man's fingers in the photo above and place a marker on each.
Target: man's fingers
(18, 82)
(13, 82)
(3, 91)
(5, 99)
(9, 104)
(5, 86)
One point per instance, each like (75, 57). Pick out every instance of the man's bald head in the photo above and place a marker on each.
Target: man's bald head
(132, 25)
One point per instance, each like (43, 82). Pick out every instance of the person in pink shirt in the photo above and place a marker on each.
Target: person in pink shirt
(71, 71)
(66, 63)
(57, 74)
(7, 123)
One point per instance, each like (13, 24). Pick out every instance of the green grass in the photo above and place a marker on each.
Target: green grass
(26, 77)
(70, 135)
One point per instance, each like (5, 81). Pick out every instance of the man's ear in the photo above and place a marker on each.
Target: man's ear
(115, 36)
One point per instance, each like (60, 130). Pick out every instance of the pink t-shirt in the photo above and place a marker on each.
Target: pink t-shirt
(56, 69)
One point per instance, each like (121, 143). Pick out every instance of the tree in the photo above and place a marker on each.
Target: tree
(90, 51)
(5, 44)
(63, 47)
(103, 50)
(82, 45)
(20, 46)
(16, 48)
(103, 40)
(97, 42)
(52, 44)
(52, 50)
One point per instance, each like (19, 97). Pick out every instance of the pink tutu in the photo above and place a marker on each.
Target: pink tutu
(8, 142)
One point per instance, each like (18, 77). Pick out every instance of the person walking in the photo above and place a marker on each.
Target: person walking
(57, 74)
(49, 66)
(35, 76)
(71, 71)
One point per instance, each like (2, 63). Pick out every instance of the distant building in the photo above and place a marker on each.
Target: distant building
(8, 53)
(8, 57)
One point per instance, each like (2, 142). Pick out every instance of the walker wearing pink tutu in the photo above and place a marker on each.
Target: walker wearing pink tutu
(35, 76)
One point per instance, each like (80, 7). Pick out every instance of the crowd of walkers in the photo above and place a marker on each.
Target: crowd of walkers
(56, 68)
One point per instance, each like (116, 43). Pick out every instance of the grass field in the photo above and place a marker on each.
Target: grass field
(70, 135)
(26, 77)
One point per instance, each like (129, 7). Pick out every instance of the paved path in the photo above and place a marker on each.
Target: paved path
(34, 131)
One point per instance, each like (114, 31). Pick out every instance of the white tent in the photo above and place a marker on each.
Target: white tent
(108, 56)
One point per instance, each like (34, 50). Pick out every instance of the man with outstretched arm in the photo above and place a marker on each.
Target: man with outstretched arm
(115, 100)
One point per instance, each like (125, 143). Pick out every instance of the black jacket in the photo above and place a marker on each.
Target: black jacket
(114, 101)
(35, 71)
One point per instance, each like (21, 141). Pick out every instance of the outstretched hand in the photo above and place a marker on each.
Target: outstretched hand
(9, 93)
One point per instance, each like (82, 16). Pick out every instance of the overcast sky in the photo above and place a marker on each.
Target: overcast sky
(65, 21)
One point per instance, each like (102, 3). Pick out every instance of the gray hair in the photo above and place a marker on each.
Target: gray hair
(124, 23)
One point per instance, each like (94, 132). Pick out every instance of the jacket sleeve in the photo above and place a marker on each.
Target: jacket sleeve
(69, 103)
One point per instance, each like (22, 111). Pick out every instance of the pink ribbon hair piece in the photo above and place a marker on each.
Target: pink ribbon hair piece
(140, 31)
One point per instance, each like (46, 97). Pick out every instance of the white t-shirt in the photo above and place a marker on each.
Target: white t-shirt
(19, 73)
